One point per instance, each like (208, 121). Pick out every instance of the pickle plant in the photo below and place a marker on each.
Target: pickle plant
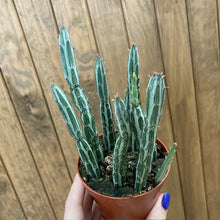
(137, 128)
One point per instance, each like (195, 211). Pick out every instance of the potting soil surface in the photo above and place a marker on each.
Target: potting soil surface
(104, 185)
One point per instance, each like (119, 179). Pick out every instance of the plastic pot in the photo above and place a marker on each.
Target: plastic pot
(136, 207)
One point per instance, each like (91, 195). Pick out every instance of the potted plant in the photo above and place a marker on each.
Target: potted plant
(131, 163)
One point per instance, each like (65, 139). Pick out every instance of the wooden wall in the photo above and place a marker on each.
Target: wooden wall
(38, 156)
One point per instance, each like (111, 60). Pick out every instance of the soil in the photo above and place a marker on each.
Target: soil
(105, 186)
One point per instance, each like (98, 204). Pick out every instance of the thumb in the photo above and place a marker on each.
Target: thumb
(159, 211)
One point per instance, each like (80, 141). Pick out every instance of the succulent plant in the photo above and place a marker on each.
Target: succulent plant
(137, 128)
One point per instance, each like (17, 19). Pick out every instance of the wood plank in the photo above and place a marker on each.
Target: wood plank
(142, 28)
(218, 13)
(19, 164)
(112, 43)
(74, 16)
(27, 96)
(41, 35)
(205, 55)
(10, 207)
(174, 37)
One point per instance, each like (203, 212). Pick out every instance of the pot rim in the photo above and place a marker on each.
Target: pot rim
(127, 197)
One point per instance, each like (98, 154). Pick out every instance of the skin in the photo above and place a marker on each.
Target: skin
(81, 206)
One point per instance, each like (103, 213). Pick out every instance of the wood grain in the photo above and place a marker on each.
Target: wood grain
(20, 165)
(142, 27)
(205, 55)
(10, 207)
(172, 20)
(75, 17)
(42, 38)
(218, 14)
(112, 42)
(38, 154)
(31, 109)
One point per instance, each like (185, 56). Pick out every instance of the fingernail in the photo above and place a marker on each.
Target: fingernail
(166, 200)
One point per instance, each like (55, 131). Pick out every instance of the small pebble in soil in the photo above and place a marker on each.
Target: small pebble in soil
(149, 188)
(131, 165)
(109, 168)
(108, 160)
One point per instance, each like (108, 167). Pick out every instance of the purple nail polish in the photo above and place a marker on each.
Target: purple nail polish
(166, 200)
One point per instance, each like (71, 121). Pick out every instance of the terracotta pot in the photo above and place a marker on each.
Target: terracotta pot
(136, 207)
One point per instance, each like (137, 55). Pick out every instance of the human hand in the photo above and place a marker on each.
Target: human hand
(81, 206)
(159, 211)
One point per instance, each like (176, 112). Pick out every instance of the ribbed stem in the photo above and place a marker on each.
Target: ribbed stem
(88, 157)
(105, 109)
(153, 111)
(133, 69)
(137, 119)
(165, 165)
(122, 143)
